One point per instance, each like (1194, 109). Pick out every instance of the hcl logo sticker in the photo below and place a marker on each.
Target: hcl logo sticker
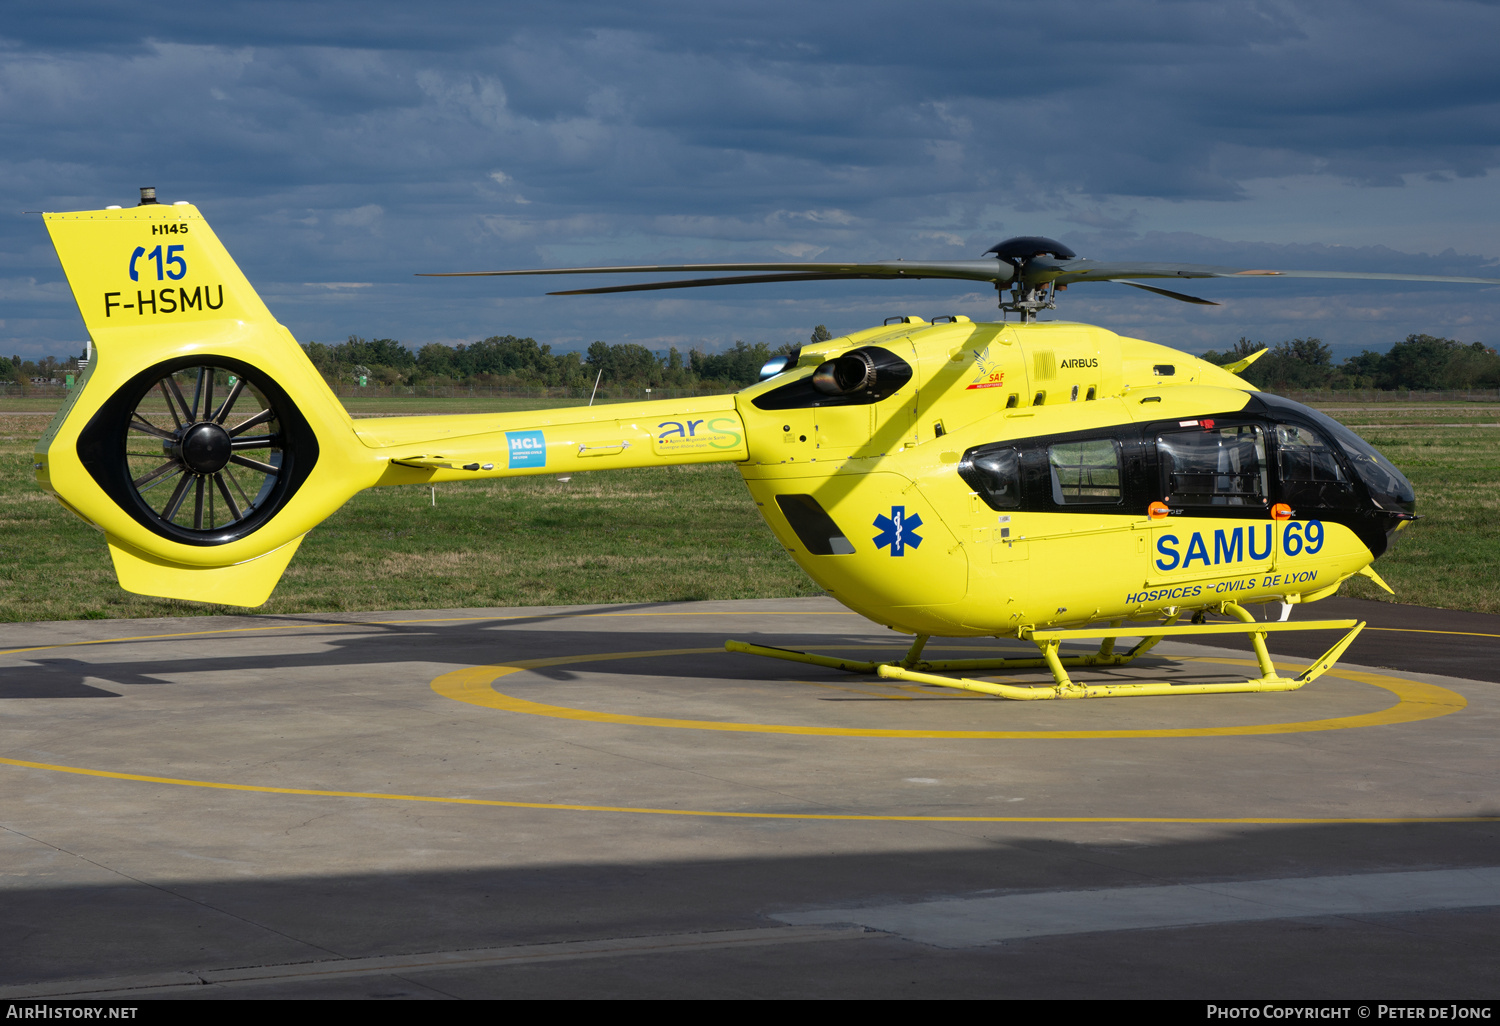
(527, 448)
(898, 530)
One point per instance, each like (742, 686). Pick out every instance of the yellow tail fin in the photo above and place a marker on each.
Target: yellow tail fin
(201, 437)
(205, 445)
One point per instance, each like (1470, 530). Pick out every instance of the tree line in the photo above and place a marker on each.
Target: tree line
(1419, 363)
(505, 360)
(45, 369)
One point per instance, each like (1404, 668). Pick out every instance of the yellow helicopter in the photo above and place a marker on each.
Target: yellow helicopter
(1044, 481)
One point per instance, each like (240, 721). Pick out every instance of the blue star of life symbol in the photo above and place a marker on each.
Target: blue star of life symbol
(898, 530)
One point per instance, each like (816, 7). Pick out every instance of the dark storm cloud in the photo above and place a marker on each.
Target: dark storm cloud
(344, 142)
(1131, 98)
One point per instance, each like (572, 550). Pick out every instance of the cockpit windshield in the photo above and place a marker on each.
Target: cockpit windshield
(1388, 487)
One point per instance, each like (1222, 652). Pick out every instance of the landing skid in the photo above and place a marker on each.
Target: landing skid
(915, 669)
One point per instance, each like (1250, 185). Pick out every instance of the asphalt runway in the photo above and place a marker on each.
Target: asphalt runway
(602, 802)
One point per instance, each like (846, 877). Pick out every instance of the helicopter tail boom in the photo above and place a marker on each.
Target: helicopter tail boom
(666, 432)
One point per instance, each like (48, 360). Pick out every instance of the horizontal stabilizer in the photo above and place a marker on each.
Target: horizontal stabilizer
(244, 584)
(1240, 365)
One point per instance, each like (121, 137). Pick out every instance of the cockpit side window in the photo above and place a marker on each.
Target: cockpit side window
(1305, 456)
(1216, 466)
(1388, 487)
(995, 474)
(1309, 469)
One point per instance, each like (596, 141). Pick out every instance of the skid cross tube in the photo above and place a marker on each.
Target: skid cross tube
(914, 669)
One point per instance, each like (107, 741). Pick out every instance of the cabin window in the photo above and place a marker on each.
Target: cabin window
(995, 474)
(1214, 466)
(1310, 472)
(1085, 472)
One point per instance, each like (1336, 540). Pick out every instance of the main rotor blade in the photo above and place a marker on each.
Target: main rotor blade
(739, 279)
(1037, 272)
(1373, 276)
(969, 270)
(1171, 295)
(1067, 272)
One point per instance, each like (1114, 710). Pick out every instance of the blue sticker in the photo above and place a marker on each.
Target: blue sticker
(898, 531)
(527, 448)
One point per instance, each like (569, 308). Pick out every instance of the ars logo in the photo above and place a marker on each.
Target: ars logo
(676, 436)
(898, 530)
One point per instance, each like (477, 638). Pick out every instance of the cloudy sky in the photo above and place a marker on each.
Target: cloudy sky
(338, 147)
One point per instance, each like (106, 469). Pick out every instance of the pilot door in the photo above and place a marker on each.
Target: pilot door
(1215, 477)
(995, 526)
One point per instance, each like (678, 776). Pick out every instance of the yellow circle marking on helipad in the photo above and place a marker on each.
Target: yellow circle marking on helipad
(1440, 700)
(721, 814)
(474, 685)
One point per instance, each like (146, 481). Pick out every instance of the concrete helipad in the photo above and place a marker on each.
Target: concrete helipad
(600, 801)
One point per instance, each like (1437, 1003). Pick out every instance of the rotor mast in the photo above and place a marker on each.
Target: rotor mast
(1028, 294)
(1027, 299)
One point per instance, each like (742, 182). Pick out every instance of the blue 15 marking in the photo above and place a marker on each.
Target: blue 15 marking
(1231, 546)
(173, 257)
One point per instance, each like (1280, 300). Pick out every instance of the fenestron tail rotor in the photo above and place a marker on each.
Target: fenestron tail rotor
(200, 451)
(204, 457)
(1033, 269)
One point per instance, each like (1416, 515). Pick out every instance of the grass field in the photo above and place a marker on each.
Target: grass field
(1450, 559)
(657, 535)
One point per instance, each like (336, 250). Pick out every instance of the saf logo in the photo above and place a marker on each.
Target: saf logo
(988, 376)
(898, 530)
